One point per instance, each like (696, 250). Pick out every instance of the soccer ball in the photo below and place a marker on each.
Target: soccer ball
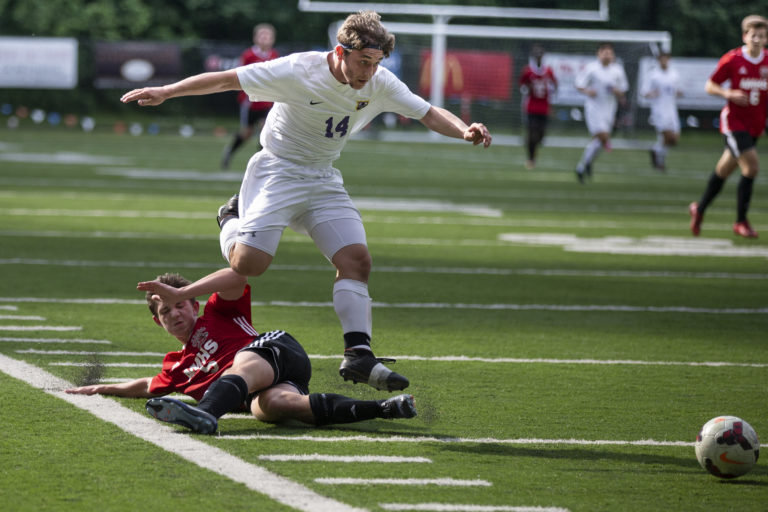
(727, 447)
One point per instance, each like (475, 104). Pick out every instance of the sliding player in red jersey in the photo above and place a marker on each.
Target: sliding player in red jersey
(226, 365)
(742, 121)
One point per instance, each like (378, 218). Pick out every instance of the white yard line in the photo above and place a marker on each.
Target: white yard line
(650, 245)
(11, 339)
(37, 318)
(81, 364)
(436, 359)
(442, 482)
(318, 457)
(396, 270)
(450, 507)
(60, 328)
(256, 478)
(90, 353)
(425, 305)
(454, 440)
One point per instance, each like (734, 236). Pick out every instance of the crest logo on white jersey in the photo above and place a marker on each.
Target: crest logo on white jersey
(362, 104)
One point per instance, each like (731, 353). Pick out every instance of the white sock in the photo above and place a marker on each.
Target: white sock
(590, 152)
(228, 236)
(353, 306)
(658, 147)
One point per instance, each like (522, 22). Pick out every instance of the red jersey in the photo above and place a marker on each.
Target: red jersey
(250, 56)
(751, 76)
(223, 329)
(540, 81)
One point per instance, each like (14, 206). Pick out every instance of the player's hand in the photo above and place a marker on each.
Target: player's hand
(738, 97)
(477, 133)
(146, 97)
(160, 291)
(85, 390)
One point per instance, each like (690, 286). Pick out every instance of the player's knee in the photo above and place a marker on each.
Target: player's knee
(249, 263)
(272, 408)
(354, 262)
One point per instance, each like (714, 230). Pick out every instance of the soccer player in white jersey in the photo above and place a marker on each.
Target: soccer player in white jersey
(604, 85)
(320, 100)
(662, 88)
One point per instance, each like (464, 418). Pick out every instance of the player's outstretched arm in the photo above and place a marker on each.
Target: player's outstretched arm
(138, 388)
(228, 283)
(204, 83)
(445, 123)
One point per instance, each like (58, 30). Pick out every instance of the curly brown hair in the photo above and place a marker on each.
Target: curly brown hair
(171, 279)
(364, 30)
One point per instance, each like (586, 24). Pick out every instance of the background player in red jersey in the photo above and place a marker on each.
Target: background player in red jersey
(537, 83)
(742, 121)
(226, 365)
(252, 114)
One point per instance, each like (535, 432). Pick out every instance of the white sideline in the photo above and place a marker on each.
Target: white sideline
(256, 478)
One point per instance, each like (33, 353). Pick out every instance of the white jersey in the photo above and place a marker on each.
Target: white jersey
(663, 85)
(604, 80)
(314, 114)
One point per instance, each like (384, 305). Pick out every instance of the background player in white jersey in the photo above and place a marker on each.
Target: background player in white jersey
(662, 88)
(604, 85)
(320, 100)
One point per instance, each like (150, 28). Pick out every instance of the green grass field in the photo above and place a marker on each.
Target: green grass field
(547, 328)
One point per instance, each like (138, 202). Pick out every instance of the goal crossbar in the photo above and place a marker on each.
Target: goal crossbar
(599, 14)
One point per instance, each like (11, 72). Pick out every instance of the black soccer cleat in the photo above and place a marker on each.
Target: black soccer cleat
(400, 406)
(229, 209)
(175, 411)
(362, 366)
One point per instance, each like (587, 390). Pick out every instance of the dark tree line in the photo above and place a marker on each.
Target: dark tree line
(698, 27)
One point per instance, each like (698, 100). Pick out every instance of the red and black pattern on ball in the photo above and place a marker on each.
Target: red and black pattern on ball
(716, 471)
(734, 436)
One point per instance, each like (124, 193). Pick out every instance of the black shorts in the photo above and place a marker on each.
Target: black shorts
(739, 142)
(287, 357)
(537, 121)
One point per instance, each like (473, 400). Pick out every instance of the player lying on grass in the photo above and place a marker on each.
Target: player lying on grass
(226, 365)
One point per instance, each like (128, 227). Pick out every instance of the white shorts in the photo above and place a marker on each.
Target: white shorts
(599, 120)
(665, 120)
(277, 193)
